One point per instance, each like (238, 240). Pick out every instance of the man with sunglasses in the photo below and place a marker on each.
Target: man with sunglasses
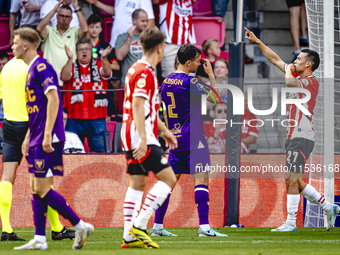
(56, 37)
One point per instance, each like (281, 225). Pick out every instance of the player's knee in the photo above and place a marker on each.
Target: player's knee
(292, 182)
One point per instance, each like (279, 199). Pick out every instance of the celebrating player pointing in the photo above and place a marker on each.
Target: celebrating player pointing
(301, 136)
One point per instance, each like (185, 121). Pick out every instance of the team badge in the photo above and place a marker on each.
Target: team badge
(141, 82)
(39, 164)
(305, 82)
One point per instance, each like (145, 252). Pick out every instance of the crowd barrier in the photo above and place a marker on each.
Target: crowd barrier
(95, 185)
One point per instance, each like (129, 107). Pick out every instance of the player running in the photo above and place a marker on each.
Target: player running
(301, 137)
(139, 135)
(181, 94)
(44, 140)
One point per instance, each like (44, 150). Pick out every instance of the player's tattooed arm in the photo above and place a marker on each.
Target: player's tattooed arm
(169, 138)
(290, 79)
(208, 70)
(24, 146)
(267, 52)
(139, 118)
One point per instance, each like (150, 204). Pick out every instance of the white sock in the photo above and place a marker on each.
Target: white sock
(292, 208)
(205, 227)
(80, 226)
(132, 202)
(153, 200)
(312, 195)
(157, 226)
(40, 239)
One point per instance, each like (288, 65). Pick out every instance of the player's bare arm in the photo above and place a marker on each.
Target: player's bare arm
(139, 118)
(208, 70)
(25, 143)
(41, 28)
(290, 79)
(169, 138)
(267, 52)
(106, 66)
(66, 72)
(51, 116)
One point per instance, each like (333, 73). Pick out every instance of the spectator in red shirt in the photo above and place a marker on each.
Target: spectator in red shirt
(87, 110)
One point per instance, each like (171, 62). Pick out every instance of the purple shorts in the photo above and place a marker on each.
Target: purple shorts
(190, 162)
(44, 164)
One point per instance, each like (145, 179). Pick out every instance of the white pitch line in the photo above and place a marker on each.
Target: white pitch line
(242, 242)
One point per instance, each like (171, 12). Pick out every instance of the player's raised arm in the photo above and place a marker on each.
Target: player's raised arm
(267, 52)
(290, 79)
(208, 70)
(139, 118)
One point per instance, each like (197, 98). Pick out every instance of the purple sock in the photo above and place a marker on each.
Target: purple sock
(39, 206)
(58, 203)
(161, 211)
(202, 203)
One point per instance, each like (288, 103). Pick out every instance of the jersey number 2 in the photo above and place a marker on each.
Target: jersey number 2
(172, 105)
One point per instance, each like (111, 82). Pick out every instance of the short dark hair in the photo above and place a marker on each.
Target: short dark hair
(67, 7)
(3, 54)
(135, 14)
(65, 110)
(313, 57)
(93, 19)
(187, 52)
(150, 38)
(83, 41)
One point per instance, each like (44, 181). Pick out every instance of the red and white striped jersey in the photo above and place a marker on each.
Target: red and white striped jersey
(175, 19)
(304, 127)
(140, 81)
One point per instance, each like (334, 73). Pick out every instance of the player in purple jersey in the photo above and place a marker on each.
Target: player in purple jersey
(44, 140)
(182, 94)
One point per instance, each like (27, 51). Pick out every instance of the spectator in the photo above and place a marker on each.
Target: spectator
(85, 8)
(56, 37)
(87, 110)
(221, 76)
(49, 5)
(249, 130)
(72, 141)
(211, 49)
(220, 8)
(175, 20)
(29, 10)
(8, 6)
(128, 45)
(4, 58)
(297, 22)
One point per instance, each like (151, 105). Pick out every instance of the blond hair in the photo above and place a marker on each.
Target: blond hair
(207, 44)
(28, 34)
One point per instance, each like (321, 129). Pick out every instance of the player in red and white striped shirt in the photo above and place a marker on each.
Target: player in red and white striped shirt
(175, 20)
(300, 139)
(139, 135)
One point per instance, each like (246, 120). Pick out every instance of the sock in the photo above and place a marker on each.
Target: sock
(39, 206)
(80, 226)
(312, 195)
(5, 205)
(202, 203)
(153, 200)
(292, 208)
(58, 203)
(132, 202)
(160, 213)
(40, 239)
(54, 219)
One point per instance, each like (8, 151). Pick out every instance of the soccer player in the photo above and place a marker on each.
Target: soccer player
(12, 84)
(44, 140)
(301, 137)
(139, 134)
(181, 94)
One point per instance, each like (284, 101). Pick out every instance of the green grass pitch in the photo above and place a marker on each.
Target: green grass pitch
(260, 241)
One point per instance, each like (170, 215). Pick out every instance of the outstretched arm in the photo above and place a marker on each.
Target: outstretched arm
(267, 52)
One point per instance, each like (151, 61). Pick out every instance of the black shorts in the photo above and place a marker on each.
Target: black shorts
(154, 160)
(14, 135)
(297, 153)
(292, 3)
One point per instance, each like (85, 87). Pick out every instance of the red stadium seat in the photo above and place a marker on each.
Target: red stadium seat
(4, 38)
(111, 126)
(207, 28)
(107, 28)
(202, 8)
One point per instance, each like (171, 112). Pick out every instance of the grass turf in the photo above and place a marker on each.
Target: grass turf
(240, 241)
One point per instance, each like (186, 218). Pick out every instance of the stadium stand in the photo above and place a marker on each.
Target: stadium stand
(202, 8)
(107, 28)
(4, 38)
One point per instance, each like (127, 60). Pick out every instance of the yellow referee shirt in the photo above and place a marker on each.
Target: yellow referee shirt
(12, 90)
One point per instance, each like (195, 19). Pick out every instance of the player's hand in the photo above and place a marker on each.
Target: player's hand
(251, 36)
(106, 52)
(170, 140)
(292, 67)
(141, 149)
(207, 68)
(75, 4)
(130, 31)
(47, 143)
(68, 52)
(24, 147)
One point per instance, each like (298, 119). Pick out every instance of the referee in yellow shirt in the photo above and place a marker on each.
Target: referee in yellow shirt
(12, 91)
